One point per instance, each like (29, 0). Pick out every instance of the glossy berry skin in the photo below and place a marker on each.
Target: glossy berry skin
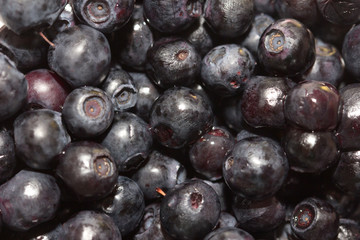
(125, 205)
(260, 23)
(46, 90)
(286, 48)
(310, 152)
(313, 105)
(223, 193)
(150, 226)
(35, 15)
(91, 225)
(13, 88)
(329, 66)
(7, 153)
(256, 168)
(209, 152)
(160, 171)
(226, 68)
(346, 175)
(229, 18)
(180, 116)
(304, 11)
(147, 93)
(173, 62)
(350, 51)
(314, 219)
(28, 51)
(258, 216)
(40, 136)
(190, 211)
(135, 39)
(348, 229)
(340, 12)
(81, 56)
(129, 141)
(229, 233)
(120, 87)
(106, 16)
(171, 16)
(28, 199)
(87, 112)
(348, 129)
(88, 170)
(262, 102)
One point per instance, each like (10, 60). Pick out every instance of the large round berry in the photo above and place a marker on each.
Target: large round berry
(87, 112)
(313, 105)
(81, 55)
(287, 48)
(180, 116)
(190, 211)
(104, 15)
(256, 168)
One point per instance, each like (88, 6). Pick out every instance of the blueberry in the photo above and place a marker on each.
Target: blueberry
(329, 66)
(265, 6)
(229, 18)
(125, 205)
(258, 26)
(46, 90)
(346, 175)
(223, 193)
(135, 39)
(349, 124)
(81, 55)
(28, 51)
(180, 116)
(190, 211)
(310, 152)
(314, 219)
(150, 226)
(87, 112)
(229, 233)
(256, 168)
(258, 216)
(104, 15)
(313, 105)
(209, 152)
(88, 169)
(13, 88)
(147, 93)
(350, 51)
(201, 37)
(262, 102)
(173, 62)
(120, 87)
(226, 220)
(40, 136)
(286, 48)
(8, 160)
(28, 199)
(231, 113)
(171, 16)
(340, 12)
(304, 11)
(129, 141)
(34, 15)
(91, 225)
(160, 171)
(226, 68)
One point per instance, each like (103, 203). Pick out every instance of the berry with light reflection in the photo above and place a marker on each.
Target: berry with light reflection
(87, 112)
